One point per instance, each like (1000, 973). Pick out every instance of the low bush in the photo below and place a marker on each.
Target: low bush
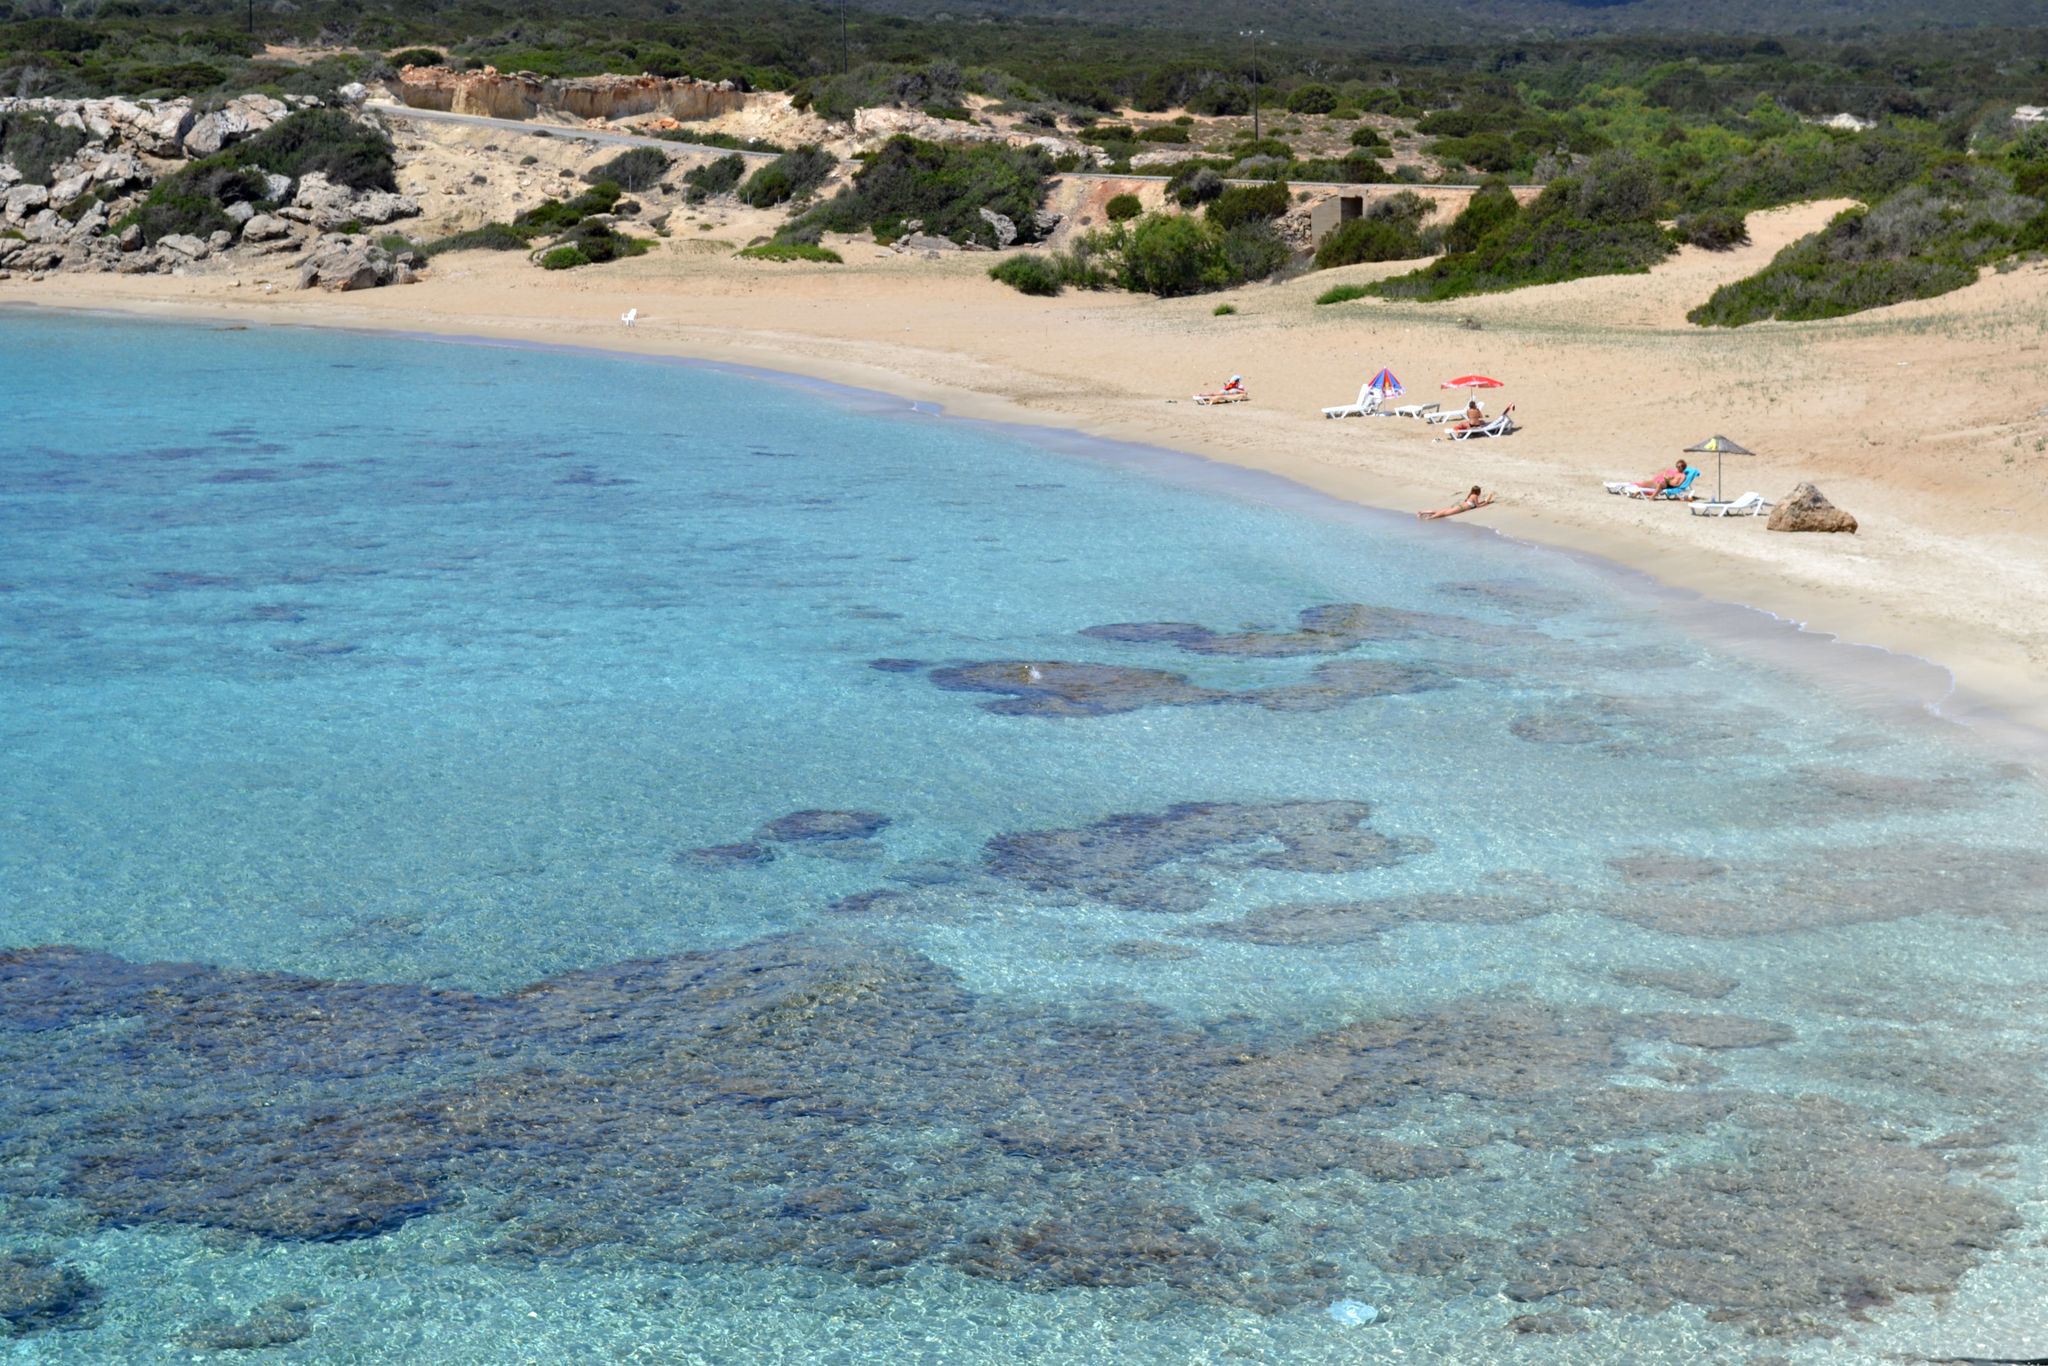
(1603, 223)
(1028, 275)
(562, 258)
(725, 140)
(637, 169)
(1342, 294)
(792, 251)
(36, 144)
(1313, 98)
(944, 186)
(1368, 138)
(1492, 206)
(329, 141)
(1925, 240)
(489, 237)
(1175, 254)
(714, 178)
(1195, 185)
(1222, 310)
(1713, 229)
(1122, 208)
(1239, 204)
(793, 175)
(417, 56)
(1165, 132)
(552, 216)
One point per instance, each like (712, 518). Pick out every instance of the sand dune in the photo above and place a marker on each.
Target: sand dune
(1926, 420)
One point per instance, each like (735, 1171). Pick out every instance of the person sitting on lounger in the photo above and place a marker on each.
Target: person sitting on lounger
(1472, 500)
(1232, 392)
(1669, 479)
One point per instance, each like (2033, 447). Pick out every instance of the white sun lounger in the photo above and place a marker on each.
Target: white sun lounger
(1503, 425)
(1368, 405)
(1416, 409)
(1750, 504)
(1449, 415)
(1627, 487)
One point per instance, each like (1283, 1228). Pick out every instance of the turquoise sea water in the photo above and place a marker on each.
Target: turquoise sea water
(523, 856)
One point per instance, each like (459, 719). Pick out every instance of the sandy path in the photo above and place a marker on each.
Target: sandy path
(1925, 420)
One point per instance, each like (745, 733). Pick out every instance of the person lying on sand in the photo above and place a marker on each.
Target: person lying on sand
(1466, 504)
(1233, 392)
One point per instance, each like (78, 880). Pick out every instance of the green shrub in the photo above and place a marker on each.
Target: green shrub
(1247, 148)
(1546, 243)
(1122, 207)
(489, 237)
(1171, 254)
(1194, 185)
(637, 169)
(1492, 206)
(1342, 294)
(726, 140)
(1923, 241)
(1357, 168)
(329, 141)
(1369, 138)
(1248, 203)
(1713, 229)
(193, 200)
(793, 251)
(1313, 98)
(1109, 132)
(1165, 132)
(417, 56)
(599, 242)
(1489, 152)
(552, 216)
(397, 242)
(1028, 275)
(715, 178)
(943, 186)
(1222, 310)
(563, 258)
(793, 175)
(36, 144)
(1367, 239)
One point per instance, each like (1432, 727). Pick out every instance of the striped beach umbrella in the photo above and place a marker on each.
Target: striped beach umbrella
(1385, 382)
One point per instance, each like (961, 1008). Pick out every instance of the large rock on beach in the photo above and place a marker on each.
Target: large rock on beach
(1806, 508)
(324, 204)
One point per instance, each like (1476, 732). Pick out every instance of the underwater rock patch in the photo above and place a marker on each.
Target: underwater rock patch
(1063, 689)
(1122, 859)
(1325, 923)
(749, 853)
(798, 826)
(1704, 986)
(1329, 629)
(37, 1293)
(754, 1106)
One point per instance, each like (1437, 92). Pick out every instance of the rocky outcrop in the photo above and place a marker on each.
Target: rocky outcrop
(497, 94)
(1806, 508)
(324, 204)
(340, 262)
(241, 117)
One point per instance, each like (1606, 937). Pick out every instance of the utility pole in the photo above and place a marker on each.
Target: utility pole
(844, 59)
(1254, 35)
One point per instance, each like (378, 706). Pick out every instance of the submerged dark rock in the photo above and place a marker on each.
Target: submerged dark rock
(37, 1293)
(1062, 689)
(754, 1106)
(1330, 629)
(799, 826)
(1122, 859)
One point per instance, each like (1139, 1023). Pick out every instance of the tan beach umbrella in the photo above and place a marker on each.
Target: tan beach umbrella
(1718, 446)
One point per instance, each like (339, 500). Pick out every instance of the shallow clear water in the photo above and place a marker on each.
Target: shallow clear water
(929, 973)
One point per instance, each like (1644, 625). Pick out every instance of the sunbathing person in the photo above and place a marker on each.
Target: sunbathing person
(1475, 416)
(1466, 504)
(1669, 479)
(1233, 392)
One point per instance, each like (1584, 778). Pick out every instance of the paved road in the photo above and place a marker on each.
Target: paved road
(606, 137)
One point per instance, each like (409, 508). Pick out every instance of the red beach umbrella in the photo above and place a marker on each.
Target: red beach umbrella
(1472, 382)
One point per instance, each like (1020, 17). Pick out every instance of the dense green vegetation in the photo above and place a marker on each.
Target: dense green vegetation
(35, 144)
(941, 186)
(793, 251)
(793, 175)
(638, 169)
(1390, 230)
(714, 178)
(194, 199)
(1927, 239)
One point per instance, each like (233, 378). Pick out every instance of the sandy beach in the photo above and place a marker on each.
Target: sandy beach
(1924, 420)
